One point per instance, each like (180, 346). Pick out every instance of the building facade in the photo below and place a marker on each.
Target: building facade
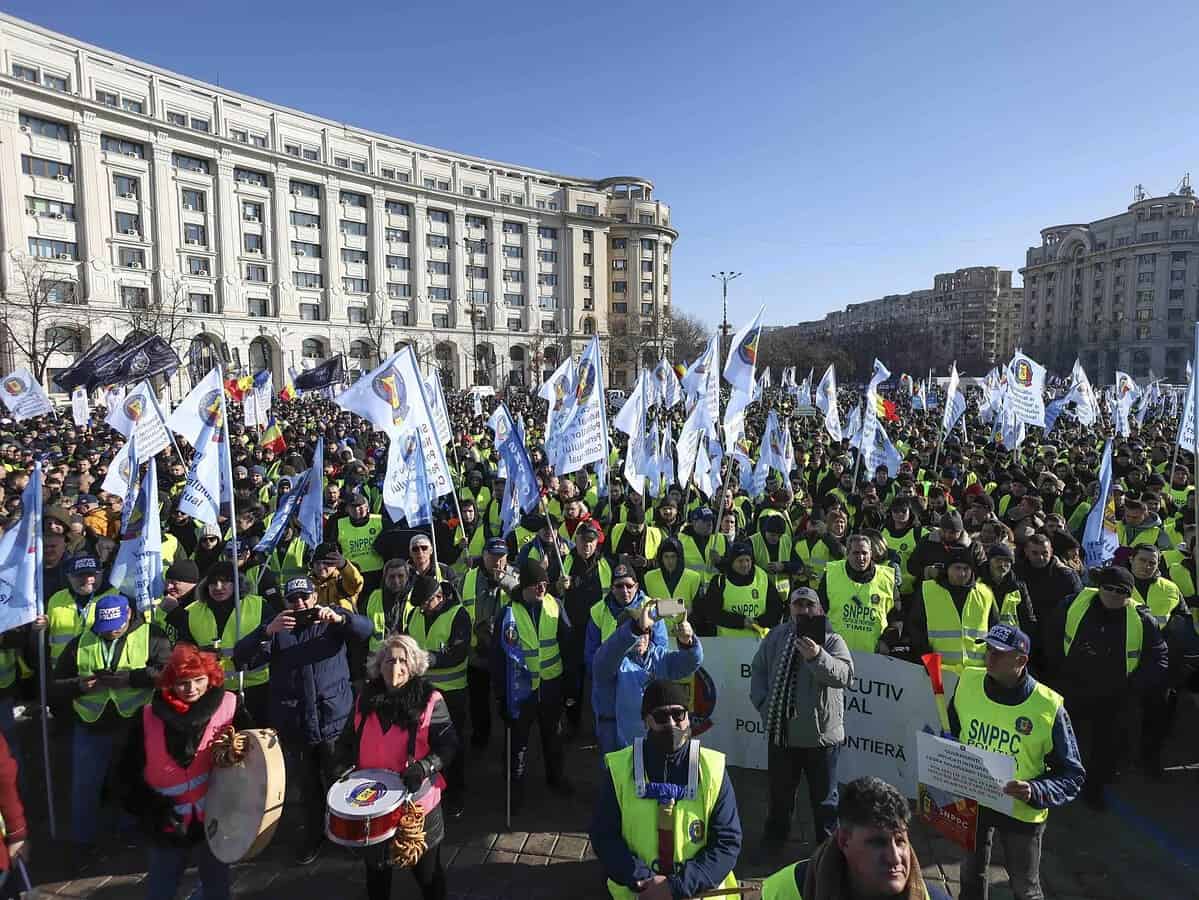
(971, 315)
(1117, 293)
(132, 197)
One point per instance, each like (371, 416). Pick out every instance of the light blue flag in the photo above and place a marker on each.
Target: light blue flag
(774, 447)
(312, 507)
(955, 411)
(208, 486)
(137, 568)
(283, 515)
(21, 560)
(1053, 409)
(521, 491)
(1098, 541)
(407, 495)
(584, 437)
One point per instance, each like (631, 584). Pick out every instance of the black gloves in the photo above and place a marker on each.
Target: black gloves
(415, 774)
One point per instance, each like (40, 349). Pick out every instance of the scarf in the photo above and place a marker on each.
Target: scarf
(183, 724)
(826, 877)
(403, 706)
(780, 707)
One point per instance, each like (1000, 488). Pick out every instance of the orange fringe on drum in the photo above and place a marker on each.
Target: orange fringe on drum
(408, 845)
(228, 748)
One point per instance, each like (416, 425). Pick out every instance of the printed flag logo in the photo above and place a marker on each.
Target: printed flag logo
(747, 350)
(1023, 373)
(210, 411)
(134, 407)
(1024, 725)
(559, 394)
(390, 387)
(14, 385)
(366, 794)
(586, 381)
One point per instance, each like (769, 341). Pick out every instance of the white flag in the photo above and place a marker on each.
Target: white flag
(667, 390)
(585, 437)
(435, 397)
(948, 419)
(630, 418)
(208, 487)
(139, 410)
(24, 397)
(202, 403)
(826, 402)
(1026, 389)
(81, 412)
(741, 366)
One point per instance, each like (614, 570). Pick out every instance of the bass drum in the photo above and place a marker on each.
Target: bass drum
(245, 801)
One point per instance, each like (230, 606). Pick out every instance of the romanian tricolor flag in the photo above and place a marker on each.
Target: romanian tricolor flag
(289, 388)
(272, 437)
(233, 389)
(885, 409)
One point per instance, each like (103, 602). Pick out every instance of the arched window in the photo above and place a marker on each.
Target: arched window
(360, 350)
(260, 354)
(589, 325)
(64, 339)
(312, 348)
(550, 355)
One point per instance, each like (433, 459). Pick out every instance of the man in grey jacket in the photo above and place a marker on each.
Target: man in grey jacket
(797, 687)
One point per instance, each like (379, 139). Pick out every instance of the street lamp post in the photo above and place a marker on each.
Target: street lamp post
(725, 278)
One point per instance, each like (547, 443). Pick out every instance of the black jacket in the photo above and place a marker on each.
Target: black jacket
(1094, 668)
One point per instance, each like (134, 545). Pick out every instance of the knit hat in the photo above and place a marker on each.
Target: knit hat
(183, 570)
(1114, 576)
(659, 693)
(741, 548)
(773, 525)
(423, 587)
(1001, 550)
(222, 569)
(635, 515)
(532, 572)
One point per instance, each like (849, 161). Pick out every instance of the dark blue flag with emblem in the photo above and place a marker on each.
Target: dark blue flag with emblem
(518, 680)
(330, 372)
(80, 372)
(146, 357)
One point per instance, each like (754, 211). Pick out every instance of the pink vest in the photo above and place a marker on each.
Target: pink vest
(185, 787)
(377, 750)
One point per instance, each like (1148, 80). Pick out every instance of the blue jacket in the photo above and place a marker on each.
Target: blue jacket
(592, 644)
(619, 677)
(310, 678)
(703, 871)
(1064, 773)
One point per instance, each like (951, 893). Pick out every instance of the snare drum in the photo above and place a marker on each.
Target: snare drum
(364, 807)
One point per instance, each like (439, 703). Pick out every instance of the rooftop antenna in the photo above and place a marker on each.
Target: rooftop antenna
(1138, 193)
(1184, 188)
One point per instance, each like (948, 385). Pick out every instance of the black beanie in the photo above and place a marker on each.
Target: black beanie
(423, 587)
(532, 572)
(662, 693)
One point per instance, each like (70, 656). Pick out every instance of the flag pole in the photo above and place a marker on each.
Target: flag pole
(40, 607)
(227, 477)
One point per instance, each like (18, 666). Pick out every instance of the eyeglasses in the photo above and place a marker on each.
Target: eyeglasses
(664, 714)
(630, 585)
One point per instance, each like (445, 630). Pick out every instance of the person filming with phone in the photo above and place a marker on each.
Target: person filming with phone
(629, 660)
(797, 682)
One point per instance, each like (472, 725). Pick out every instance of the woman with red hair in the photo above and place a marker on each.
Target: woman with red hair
(165, 767)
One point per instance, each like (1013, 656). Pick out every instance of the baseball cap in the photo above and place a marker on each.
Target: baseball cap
(804, 593)
(702, 513)
(112, 614)
(82, 565)
(623, 571)
(496, 547)
(1115, 576)
(297, 587)
(1008, 638)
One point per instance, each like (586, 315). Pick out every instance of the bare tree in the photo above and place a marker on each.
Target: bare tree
(40, 317)
(789, 347)
(164, 312)
(377, 322)
(689, 334)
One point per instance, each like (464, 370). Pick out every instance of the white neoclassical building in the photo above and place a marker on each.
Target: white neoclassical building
(274, 238)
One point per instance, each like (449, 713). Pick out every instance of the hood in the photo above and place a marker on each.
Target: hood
(200, 592)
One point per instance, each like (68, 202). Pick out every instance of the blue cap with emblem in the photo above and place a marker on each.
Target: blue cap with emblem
(1008, 638)
(298, 587)
(82, 565)
(496, 547)
(112, 614)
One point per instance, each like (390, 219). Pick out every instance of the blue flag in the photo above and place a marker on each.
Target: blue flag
(312, 511)
(137, 568)
(521, 489)
(21, 560)
(518, 680)
(283, 515)
(406, 493)
(1099, 541)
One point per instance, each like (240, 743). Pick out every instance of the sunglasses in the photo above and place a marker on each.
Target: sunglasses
(665, 714)
(1119, 590)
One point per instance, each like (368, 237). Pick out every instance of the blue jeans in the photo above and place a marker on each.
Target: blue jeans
(91, 753)
(786, 767)
(168, 863)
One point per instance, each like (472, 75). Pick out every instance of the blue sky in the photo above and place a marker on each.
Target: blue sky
(832, 155)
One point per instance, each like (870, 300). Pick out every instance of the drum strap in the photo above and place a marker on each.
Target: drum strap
(362, 724)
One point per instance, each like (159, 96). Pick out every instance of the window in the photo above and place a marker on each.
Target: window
(478, 297)
(1179, 234)
(515, 325)
(249, 176)
(586, 259)
(647, 266)
(514, 276)
(621, 307)
(645, 219)
(514, 228)
(439, 293)
(175, 118)
(56, 82)
(547, 280)
(350, 198)
(396, 207)
(397, 262)
(467, 191)
(589, 326)
(311, 312)
(258, 307)
(1174, 315)
(396, 235)
(541, 204)
(476, 222)
(588, 236)
(1149, 236)
(400, 317)
(25, 73)
(312, 155)
(511, 252)
(134, 297)
(550, 256)
(256, 273)
(305, 220)
(514, 299)
(437, 240)
(647, 245)
(647, 287)
(108, 98)
(1144, 297)
(386, 172)
(647, 309)
(619, 287)
(250, 211)
(299, 248)
(1176, 294)
(195, 234)
(252, 243)
(342, 162)
(429, 182)
(304, 189)
(197, 265)
(439, 215)
(129, 223)
(194, 200)
(398, 291)
(443, 185)
(190, 163)
(292, 150)
(1144, 332)
(50, 209)
(1146, 259)
(619, 265)
(354, 256)
(357, 315)
(358, 165)
(1176, 258)
(355, 285)
(307, 280)
(587, 209)
(550, 234)
(441, 320)
(439, 267)
(134, 106)
(122, 146)
(355, 229)
(242, 137)
(1174, 333)
(199, 124)
(618, 243)
(586, 282)
(131, 257)
(45, 127)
